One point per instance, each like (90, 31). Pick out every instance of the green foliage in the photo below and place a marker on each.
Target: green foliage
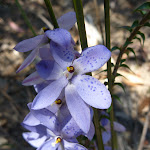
(115, 48)
(147, 24)
(121, 85)
(142, 36)
(116, 97)
(109, 109)
(127, 28)
(131, 50)
(143, 8)
(135, 24)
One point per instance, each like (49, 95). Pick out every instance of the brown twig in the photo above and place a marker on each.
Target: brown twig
(145, 128)
(129, 39)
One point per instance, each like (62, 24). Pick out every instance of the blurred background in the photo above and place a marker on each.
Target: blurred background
(133, 106)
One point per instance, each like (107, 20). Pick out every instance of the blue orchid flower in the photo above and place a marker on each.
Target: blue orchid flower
(53, 131)
(66, 21)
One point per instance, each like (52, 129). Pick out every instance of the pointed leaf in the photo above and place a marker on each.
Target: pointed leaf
(131, 50)
(135, 24)
(143, 8)
(115, 48)
(147, 24)
(127, 28)
(142, 36)
(121, 85)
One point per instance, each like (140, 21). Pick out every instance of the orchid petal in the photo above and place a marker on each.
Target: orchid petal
(92, 59)
(73, 146)
(67, 21)
(60, 36)
(32, 79)
(91, 132)
(92, 91)
(47, 119)
(78, 109)
(28, 60)
(30, 120)
(45, 54)
(63, 56)
(107, 148)
(49, 145)
(40, 129)
(49, 94)
(117, 127)
(49, 70)
(106, 136)
(35, 142)
(29, 44)
(41, 86)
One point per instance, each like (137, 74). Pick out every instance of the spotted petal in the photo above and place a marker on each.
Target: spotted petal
(59, 36)
(29, 44)
(49, 70)
(67, 21)
(49, 94)
(78, 109)
(92, 59)
(28, 60)
(92, 91)
(63, 56)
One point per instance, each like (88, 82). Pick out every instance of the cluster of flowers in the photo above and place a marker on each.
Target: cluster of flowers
(61, 110)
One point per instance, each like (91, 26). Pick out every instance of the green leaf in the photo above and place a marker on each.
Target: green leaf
(115, 48)
(137, 39)
(147, 24)
(142, 36)
(143, 8)
(122, 60)
(109, 109)
(131, 50)
(127, 28)
(135, 24)
(116, 97)
(120, 75)
(124, 65)
(127, 43)
(121, 85)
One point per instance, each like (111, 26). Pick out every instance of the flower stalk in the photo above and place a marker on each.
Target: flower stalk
(82, 32)
(25, 17)
(51, 13)
(80, 21)
(109, 74)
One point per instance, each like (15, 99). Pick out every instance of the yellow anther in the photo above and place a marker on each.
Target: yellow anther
(58, 101)
(70, 69)
(58, 140)
(45, 29)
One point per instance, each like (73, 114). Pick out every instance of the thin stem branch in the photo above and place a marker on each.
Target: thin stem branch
(109, 74)
(80, 21)
(81, 27)
(25, 17)
(129, 39)
(98, 130)
(51, 13)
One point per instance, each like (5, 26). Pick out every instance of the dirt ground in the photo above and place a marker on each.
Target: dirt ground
(132, 109)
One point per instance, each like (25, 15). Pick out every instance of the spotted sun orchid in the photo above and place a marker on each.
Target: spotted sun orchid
(51, 132)
(68, 73)
(66, 21)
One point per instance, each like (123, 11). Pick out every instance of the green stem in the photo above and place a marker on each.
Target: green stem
(81, 27)
(109, 74)
(51, 13)
(80, 21)
(25, 17)
(98, 130)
